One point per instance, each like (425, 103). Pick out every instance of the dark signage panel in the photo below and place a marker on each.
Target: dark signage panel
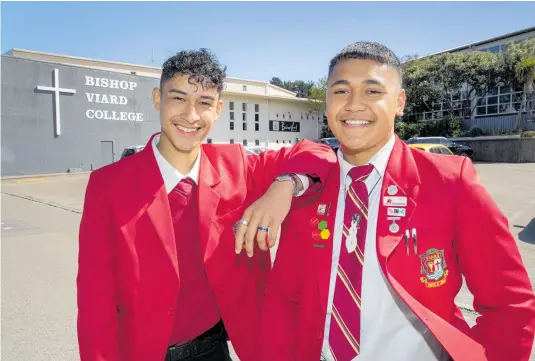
(284, 126)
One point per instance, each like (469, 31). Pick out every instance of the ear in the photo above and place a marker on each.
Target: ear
(400, 106)
(219, 108)
(156, 98)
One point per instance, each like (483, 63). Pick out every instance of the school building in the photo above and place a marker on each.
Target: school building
(62, 113)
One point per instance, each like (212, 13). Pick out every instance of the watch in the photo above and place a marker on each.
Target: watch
(298, 185)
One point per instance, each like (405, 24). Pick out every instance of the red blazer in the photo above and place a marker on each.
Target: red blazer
(451, 211)
(128, 277)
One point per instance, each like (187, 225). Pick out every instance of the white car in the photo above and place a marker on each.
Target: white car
(257, 149)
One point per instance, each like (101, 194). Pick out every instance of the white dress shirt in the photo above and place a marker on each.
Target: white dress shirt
(389, 329)
(171, 176)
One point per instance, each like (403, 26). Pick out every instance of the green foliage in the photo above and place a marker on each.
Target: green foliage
(300, 87)
(447, 127)
(475, 131)
(451, 79)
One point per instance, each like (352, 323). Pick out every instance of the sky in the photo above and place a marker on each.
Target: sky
(255, 40)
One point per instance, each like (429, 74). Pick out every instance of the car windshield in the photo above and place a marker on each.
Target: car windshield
(331, 141)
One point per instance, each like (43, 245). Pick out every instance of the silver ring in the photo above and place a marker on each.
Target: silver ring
(262, 228)
(235, 227)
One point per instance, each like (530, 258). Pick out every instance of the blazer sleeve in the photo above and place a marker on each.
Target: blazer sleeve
(494, 273)
(97, 323)
(305, 158)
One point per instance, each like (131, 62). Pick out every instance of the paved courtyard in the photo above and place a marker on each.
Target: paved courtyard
(40, 218)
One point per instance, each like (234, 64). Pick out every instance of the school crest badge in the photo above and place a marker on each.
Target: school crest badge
(434, 268)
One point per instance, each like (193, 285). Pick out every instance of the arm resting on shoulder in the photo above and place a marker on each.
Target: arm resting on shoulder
(98, 335)
(494, 272)
(305, 158)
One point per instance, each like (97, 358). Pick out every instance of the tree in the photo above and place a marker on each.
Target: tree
(300, 87)
(276, 81)
(316, 105)
(519, 66)
(447, 83)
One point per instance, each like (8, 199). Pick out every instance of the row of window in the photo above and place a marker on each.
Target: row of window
(500, 100)
(244, 117)
(244, 126)
(244, 107)
(257, 110)
(245, 142)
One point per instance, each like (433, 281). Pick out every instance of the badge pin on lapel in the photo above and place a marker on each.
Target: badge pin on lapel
(392, 190)
(323, 209)
(394, 227)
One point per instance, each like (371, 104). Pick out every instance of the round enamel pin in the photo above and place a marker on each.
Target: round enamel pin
(394, 228)
(392, 190)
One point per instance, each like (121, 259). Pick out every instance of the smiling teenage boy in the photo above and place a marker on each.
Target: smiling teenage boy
(154, 282)
(369, 270)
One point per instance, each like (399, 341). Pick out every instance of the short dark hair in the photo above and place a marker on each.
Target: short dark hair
(201, 65)
(366, 50)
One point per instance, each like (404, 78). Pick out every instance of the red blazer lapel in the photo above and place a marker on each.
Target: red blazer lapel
(398, 193)
(323, 248)
(208, 201)
(153, 194)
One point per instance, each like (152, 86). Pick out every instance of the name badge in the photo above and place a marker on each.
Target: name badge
(395, 201)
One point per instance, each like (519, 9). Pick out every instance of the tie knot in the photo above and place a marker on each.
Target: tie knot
(360, 173)
(185, 186)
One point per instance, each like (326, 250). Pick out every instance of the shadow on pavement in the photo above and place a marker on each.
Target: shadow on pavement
(527, 234)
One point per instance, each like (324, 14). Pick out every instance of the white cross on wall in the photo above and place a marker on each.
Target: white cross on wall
(57, 91)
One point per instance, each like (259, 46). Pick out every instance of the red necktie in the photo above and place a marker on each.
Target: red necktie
(344, 334)
(180, 196)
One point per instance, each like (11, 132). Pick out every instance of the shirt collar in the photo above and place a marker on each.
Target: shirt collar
(171, 176)
(379, 161)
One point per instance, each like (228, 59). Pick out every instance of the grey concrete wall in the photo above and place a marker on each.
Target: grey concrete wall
(29, 144)
(519, 150)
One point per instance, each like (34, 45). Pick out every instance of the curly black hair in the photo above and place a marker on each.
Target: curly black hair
(201, 65)
(366, 50)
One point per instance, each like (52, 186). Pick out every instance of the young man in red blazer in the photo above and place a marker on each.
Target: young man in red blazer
(369, 269)
(154, 282)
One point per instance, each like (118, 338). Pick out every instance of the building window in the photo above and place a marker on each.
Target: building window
(301, 115)
(231, 125)
(289, 142)
(256, 126)
(283, 116)
(289, 116)
(283, 142)
(244, 117)
(244, 126)
(245, 88)
(231, 115)
(257, 117)
(245, 142)
(231, 106)
(257, 108)
(231, 141)
(277, 141)
(458, 102)
(501, 100)
(209, 140)
(256, 142)
(244, 107)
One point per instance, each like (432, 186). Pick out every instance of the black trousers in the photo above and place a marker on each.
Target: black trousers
(210, 346)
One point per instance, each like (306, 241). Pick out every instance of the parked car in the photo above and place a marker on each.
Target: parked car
(457, 149)
(128, 151)
(432, 148)
(257, 149)
(333, 143)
